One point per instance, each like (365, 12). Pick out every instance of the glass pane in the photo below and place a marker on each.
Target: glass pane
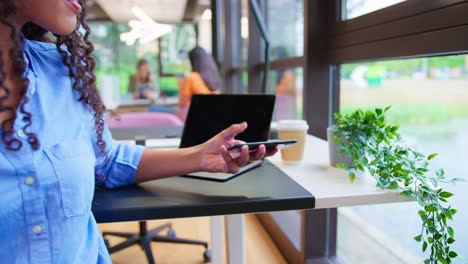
(287, 85)
(244, 31)
(116, 61)
(245, 82)
(429, 101)
(204, 30)
(175, 47)
(355, 8)
(286, 28)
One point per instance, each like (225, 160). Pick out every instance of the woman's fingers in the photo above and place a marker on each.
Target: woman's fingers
(232, 131)
(271, 152)
(231, 165)
(244, 156)
(259, 154)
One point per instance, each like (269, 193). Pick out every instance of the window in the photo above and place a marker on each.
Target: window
(285, 21)
(245, 82)
(115, 60)
(244, 31)
(429, 99)
(175, 47)
(355, 8)
(286, 28)
(287, 85)
(204, 30)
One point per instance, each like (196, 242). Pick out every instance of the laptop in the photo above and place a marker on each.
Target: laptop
(210, 114)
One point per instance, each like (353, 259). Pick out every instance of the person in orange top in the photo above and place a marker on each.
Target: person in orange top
(204, 79)
(285, 90)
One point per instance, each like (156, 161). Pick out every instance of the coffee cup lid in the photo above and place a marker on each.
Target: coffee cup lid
(292, 125)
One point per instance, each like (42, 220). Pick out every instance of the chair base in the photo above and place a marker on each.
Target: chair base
(145, 237)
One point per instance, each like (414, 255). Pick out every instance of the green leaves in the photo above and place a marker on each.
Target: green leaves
(352, 176)
(442, 260)
(407, 193)
(431, 208)
(451, 232)
(378, 148)
(378, 111)
(342, 166)
(445, 194)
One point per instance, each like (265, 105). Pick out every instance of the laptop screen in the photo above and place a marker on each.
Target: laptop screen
(210, 114)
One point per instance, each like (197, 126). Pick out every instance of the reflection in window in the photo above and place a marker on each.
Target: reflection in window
(429, 99)
(355, 8)
(286, 28)
(287, 85)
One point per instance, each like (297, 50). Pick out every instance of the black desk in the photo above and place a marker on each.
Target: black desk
(261, 190)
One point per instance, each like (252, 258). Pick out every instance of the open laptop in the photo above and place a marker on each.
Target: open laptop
(210, 114)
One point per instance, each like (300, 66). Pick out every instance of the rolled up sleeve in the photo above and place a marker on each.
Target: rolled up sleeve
(119, 166)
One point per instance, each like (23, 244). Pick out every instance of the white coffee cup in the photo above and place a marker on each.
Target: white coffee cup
(293, 129)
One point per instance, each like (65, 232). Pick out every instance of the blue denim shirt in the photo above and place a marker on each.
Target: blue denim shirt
(46, 194)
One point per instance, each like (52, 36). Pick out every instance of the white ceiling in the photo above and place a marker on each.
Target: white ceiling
(162, 11)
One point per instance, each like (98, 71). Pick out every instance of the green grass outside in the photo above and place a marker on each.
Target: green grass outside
(429, 121)
(416, 114)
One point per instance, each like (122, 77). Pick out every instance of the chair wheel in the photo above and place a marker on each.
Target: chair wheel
(171, 233)
(207, 256)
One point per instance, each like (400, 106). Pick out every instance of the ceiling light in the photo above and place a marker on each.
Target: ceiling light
(145, 29)
(206, 14)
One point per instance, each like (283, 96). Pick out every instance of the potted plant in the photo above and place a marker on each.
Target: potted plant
(372, 146)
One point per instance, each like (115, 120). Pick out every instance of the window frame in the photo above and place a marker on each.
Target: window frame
(413, 26)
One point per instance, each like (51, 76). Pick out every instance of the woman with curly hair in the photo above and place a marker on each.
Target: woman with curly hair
(54, 145)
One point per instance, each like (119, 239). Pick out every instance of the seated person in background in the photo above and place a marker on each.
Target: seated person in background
(286, 95)
(141, 83)
(285, 90)
(204, 78)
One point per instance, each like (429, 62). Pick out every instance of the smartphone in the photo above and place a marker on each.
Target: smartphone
(279, 144)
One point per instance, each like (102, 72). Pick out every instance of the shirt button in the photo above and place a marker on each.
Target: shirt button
(21, 134)
(29, 180)
(32, 90)
(37, 229)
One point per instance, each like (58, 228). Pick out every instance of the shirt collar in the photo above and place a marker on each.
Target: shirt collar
(27, 58)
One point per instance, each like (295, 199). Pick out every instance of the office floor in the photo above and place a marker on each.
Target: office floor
(259, 247)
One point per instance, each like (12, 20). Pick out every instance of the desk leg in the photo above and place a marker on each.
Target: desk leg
(235, 239)
(217, 242)
(320, 231)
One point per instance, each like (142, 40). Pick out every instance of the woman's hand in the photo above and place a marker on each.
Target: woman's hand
(214, 156)
(210, 156)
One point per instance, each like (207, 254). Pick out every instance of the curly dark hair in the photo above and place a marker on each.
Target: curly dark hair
(77, 58)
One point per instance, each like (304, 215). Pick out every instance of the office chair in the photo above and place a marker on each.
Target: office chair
(144, 237)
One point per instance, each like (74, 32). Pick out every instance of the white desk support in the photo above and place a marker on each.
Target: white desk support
(216, 224)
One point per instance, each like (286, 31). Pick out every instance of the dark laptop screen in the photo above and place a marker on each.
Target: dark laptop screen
(210, 114)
